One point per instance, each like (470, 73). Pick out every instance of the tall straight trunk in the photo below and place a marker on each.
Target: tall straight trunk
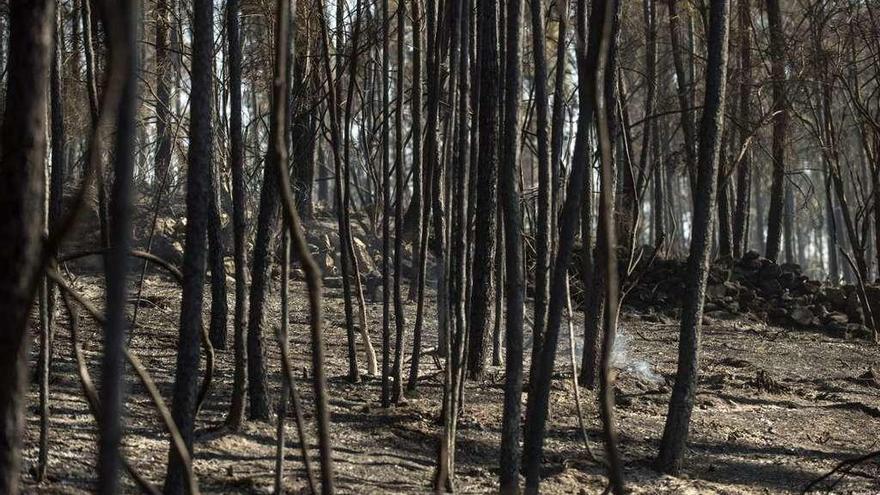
(430, 162)
(539, 394)
(346, 240)
(486, 164)
(780, 122)
(23, 141)
(596, 299)
(685, 90)
(675, 432)
(417, 171)
(744, 173)
(52, 218)
(92, 90)
(264, 244)
(386, 209)
(198, 187)
(216, 252)
(509, 197)
(164, 83)
(399, 317)
(542, 235)
(558, 119)
(123, 47)
(239, 227)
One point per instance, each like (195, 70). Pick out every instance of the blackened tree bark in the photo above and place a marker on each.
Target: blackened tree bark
(744, 173)
(197, 211)
(780, 122)
(539, 394)
(236, 165)
(399, 149)
(484, 228)
(54, 213)
(122, 32)
(596, 300)
(508, 191)
(430, 161)
(386, 207)
(164, 83)
(23, 141)
(216, 252)
(675, 433)
(542, 235)
(685, 91)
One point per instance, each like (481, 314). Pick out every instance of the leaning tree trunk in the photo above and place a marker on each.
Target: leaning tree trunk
(675, 433)
(23, 142)
(539, 394)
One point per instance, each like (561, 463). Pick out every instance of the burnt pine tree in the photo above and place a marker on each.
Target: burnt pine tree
(780, 121)
(675, 433)
(123, 47)
(198, 185)
(236, 166)
(482, 292)
(509, 196)
(539, 394)
(23, 145)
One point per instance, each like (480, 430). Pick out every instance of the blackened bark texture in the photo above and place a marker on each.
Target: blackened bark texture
(557, 118)
(399, 149)
(685, 90)
(744, 173)
(219, 305)
(264, 243)
(780, 122)
(675, 433)
(386, 209)
(164, 83)
(542, 235)
(539, 394)
(236, 166)
(430, 162)
(596, 300)
(92, 90)
(198, 187)
(509, 196)
(482, 293)
(23, 141)
(123, 48)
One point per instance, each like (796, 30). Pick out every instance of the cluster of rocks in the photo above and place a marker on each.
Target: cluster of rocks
(778, 294)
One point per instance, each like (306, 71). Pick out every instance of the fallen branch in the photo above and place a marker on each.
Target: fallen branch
(91, 393)
(843, 468)
(145, 379)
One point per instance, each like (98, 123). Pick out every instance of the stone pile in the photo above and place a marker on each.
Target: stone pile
(770, 292)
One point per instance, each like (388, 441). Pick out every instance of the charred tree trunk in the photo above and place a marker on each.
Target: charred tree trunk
(23, 141)
(509, 197)
(198, 189)
(236, 166)
(780, 122)
(744, 173)
(486, 165)
(675, 433)
(600, 39)
(123, 47)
